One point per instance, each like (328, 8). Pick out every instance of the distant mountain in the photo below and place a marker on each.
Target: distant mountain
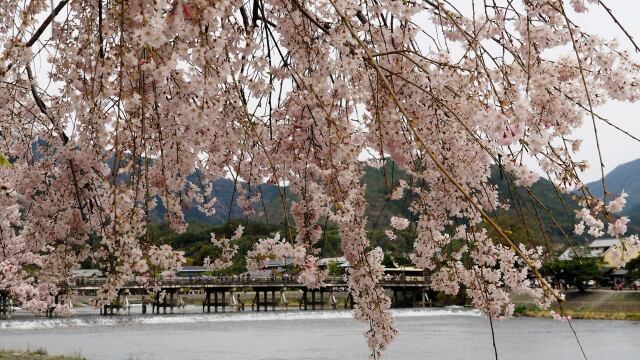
(524, 220)
(634, 214)
(624, 177)
(270, 210)
(541, 216)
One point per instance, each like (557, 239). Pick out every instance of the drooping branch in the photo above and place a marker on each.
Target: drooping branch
(45, 23)
(624, 30)
(323, 27)
(43, 107)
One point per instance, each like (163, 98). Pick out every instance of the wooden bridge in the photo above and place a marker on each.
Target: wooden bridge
(223, 292)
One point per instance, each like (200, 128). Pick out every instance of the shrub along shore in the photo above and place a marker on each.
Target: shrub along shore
(39, 354)
(597, 304)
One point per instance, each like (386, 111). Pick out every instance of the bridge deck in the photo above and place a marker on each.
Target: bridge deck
(230, 282)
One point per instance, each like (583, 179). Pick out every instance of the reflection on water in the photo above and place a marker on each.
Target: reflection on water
(438, 333)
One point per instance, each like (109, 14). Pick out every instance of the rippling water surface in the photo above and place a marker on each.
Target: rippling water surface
(438, 333)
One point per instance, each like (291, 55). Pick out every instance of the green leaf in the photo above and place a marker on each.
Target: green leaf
(4, 161)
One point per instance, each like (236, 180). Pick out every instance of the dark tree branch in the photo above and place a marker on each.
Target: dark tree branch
(363, 19)
(245, 18)
(43, 107)
(100, 39)
(256, 13)
(63, 136)
(316, 22)
(45, 24)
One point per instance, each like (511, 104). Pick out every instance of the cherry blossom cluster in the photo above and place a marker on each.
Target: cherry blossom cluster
(596, 214)
(107, 109)
(558, 317)
(227, 250)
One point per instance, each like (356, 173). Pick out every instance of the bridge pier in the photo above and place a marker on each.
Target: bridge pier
(222, 291)
(50, 311)
(283, 300)
(257, 302)
(236, 301)
(304, 299)
(161, 301)
(219, 299)
(206, 303)
(408, 297)
(121, 302)
(5, 305)
(332, 299)
(348, 302)
(313, 300)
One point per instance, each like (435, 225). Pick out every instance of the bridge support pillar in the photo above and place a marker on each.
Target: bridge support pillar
(304, 298)
(348, 302)
(332, 299)
(50, 311)
(394, 298)
(207, 301)
(5, 305)
(224, 302)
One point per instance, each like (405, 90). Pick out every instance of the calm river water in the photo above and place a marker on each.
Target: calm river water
(439, 333)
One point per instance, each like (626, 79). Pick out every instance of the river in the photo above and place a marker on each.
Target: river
(432, 333)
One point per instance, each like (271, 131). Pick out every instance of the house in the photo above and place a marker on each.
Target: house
(340, 261)
(574, 252)
(617, 278)
(86, 273)
(619, 256)
(191, 271)
(259, 274)
(605, 249)
(600, 246)
(279, 265)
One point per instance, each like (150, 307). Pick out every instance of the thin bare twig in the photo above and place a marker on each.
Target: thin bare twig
(311, 18)
(608, 10)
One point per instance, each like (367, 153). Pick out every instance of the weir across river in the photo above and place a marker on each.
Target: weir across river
(222, 293)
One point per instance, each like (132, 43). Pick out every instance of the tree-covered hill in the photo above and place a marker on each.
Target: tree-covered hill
(539, 216)
(625, 177)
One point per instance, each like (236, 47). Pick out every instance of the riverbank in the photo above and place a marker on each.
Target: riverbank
(595, 304)
(39, 354)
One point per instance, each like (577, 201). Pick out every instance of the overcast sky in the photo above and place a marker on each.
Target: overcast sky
(616, 147)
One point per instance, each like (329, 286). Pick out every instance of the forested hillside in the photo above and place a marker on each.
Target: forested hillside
(625, 177)
(536, 216)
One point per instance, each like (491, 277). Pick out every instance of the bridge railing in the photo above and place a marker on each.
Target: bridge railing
(239, 280)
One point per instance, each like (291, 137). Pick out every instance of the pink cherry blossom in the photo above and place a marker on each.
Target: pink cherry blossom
(111, 113)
